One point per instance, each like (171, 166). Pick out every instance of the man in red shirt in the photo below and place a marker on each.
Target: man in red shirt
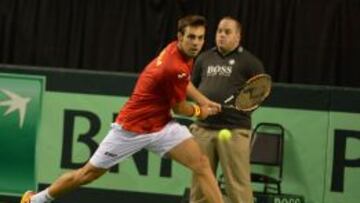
(146, 122)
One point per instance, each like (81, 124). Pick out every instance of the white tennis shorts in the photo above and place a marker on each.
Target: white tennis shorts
(120, 144)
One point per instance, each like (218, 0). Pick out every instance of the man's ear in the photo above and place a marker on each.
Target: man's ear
(179, 36)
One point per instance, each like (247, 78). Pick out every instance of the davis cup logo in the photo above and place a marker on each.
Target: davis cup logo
(20, 110)
(15, 103)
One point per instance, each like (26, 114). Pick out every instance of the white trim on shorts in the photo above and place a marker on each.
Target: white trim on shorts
(120, 144)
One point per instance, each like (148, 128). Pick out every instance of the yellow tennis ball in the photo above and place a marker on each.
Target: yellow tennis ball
(224, 135)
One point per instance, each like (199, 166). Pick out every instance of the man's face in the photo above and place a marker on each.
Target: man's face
(227, 36)
(191, 41)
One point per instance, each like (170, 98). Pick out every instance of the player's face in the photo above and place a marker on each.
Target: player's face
(227, 36)
(191, 41)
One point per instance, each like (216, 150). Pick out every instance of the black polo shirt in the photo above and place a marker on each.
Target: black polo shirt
(218, 76)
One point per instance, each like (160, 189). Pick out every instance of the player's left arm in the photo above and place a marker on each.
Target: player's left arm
(196, 95)
(201, 99)
(184, 108)
(197, 71)
(189, 109)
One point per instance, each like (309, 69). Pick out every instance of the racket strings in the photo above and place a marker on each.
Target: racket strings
(254, 93)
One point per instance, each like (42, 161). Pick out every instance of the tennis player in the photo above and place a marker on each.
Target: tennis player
(146, 122)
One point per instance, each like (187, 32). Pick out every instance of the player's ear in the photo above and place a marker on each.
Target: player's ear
(180, 36)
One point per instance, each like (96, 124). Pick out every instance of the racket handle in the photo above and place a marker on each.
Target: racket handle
(227, 106)
(229, 99)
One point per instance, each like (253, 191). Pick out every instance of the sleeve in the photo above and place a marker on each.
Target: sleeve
(176, 82)
(256, 67)
(197, 70)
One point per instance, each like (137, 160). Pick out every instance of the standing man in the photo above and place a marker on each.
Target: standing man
(146, 122)
(218, 72)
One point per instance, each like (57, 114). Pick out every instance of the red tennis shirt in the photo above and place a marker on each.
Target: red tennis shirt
(162, 84)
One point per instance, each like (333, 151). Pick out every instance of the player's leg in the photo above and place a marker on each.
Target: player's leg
(205, 139)
(74, 179)
(67, 182)
(177, 142)
(116, 146)
(234, 155)
(190, 155)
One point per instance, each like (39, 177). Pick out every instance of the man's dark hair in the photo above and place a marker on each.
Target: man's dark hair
(190, 20)
(238, 24)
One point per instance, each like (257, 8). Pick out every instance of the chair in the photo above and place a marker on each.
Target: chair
(267, 144)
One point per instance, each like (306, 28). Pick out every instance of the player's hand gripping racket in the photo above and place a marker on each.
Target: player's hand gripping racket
(251, 94)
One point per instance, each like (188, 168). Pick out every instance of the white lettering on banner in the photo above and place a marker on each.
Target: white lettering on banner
(219, 70)
(285, 200)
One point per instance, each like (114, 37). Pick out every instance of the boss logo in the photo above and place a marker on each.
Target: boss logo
(219, 70)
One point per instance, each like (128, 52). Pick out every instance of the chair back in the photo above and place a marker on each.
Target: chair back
(267, 145)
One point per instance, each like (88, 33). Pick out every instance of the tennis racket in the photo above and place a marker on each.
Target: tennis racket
(249, 96)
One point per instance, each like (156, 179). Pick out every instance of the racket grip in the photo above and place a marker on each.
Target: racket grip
(229, 99)
(227, 106)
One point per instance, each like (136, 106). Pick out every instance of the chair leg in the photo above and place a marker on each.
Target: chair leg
(265, 188)
(278, 188)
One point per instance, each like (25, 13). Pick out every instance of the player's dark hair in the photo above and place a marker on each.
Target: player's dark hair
(190, 20)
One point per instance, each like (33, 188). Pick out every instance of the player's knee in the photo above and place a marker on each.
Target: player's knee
(84, 177)
(201, 165)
